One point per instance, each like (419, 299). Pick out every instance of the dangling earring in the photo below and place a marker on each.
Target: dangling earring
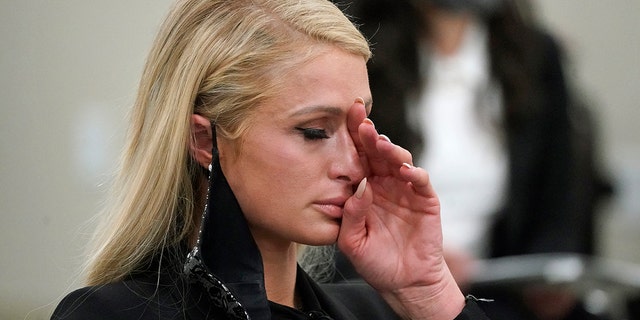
(214, 151)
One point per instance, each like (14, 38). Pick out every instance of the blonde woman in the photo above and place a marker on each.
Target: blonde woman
(253, 112)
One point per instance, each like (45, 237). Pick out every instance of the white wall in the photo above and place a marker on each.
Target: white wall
(68, 72)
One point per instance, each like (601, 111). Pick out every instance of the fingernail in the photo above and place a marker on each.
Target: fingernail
(367, 120)
(409, 166)
(385, 137)
(360, 100)
(361, 187)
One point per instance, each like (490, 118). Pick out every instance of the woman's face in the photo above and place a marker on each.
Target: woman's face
(297, 163)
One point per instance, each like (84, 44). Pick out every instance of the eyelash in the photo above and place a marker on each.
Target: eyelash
(313, 133)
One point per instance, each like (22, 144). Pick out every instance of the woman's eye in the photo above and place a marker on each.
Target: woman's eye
(313, 133)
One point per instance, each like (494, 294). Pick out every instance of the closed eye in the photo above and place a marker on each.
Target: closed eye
(313, 133)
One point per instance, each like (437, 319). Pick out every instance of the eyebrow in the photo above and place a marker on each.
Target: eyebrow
(318, 109)
(328, 109)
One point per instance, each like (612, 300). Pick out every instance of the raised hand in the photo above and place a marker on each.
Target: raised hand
(391, 228)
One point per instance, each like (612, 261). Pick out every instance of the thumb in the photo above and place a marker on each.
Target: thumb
(353, 230)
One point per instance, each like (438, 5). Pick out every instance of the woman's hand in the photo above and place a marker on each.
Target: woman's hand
(391, 228)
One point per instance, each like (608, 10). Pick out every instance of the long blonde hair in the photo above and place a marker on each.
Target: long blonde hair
(217, 58)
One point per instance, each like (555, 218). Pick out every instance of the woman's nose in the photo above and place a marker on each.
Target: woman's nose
(347, 164)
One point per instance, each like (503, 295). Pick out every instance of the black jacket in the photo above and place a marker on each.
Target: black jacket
(142, 298)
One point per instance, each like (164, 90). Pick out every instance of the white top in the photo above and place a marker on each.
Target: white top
(464, 155)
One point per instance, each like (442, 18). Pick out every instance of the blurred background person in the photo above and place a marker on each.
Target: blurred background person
(476, 89)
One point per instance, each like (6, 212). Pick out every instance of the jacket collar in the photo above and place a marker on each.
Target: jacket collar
(226, 259)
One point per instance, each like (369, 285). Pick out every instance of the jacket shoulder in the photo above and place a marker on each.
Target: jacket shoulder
(122, 300)
(110, 301)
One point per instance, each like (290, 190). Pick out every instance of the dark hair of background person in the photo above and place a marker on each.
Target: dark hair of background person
(394, 28)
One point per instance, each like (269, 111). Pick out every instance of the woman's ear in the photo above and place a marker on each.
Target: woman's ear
(201, 143)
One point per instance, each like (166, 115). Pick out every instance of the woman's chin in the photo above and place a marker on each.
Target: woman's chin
(322, 236)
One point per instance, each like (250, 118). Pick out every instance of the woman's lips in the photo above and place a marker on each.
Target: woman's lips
(331, 207)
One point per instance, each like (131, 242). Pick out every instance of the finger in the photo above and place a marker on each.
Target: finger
(419, 179)
(355, 116)
(368, 138)
(382, 155)
(353, 230)
(394, 154)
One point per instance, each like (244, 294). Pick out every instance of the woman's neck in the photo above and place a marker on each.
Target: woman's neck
(280, 268)
(446, 30)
